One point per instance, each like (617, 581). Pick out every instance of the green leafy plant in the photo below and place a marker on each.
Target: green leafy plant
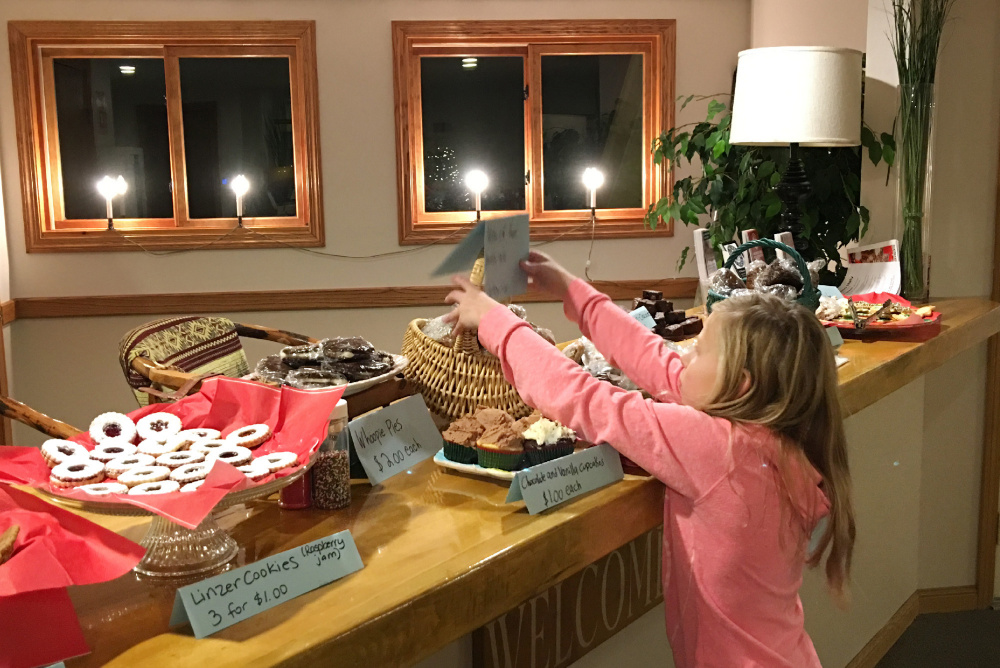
(735, 186)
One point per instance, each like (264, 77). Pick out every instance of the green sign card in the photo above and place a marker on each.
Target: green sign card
(223, 600)
(392, 439)
(547, 485)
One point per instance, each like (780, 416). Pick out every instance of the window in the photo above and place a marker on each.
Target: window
(177, 110)
(532, 104)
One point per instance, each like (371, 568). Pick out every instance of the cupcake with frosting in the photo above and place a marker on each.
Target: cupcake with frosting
(500, 447)
(545, 440)
(460, 440)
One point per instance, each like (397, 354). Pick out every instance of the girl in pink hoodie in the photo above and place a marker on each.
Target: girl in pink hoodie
(744, 431)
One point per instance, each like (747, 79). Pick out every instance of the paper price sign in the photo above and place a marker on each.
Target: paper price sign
(392, 439)
(507, 243)
(223, 600)
(547, 485)
(642, 315)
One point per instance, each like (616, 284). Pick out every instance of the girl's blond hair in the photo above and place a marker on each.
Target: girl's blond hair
(793, 391)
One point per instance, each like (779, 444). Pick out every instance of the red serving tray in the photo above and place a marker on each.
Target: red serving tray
(913, 328)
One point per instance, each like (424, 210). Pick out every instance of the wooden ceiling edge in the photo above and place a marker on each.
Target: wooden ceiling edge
(21, 308)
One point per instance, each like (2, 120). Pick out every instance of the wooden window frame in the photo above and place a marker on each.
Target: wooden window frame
(654, 39)
(33, 45)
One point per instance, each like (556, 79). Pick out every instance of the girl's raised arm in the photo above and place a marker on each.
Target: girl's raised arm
(683, 447)
(625, 342)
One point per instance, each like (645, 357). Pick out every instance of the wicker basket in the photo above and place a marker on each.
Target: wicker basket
(810, 294)
(458, 379)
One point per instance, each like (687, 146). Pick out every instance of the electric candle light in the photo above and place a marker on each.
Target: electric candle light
(240, 186)
(108, 188)
(476, 181)
(592, 180)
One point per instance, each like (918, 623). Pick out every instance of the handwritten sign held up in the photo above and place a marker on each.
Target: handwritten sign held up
(506, 245)
(223, 600)
(392, 439)
(566, 478)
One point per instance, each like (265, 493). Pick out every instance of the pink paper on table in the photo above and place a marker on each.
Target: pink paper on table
(56, 548)
(297, 418)
(39, 628)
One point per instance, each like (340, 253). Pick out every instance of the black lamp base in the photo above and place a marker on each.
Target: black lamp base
(791, 189)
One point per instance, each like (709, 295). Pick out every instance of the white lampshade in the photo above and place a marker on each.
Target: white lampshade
(809, 95)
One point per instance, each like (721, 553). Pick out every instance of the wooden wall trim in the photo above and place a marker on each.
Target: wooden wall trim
(948, 599)
(886, 637)
(293, 300)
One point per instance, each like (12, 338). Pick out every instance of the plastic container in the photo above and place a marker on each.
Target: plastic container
(297, 495)
(331, 479)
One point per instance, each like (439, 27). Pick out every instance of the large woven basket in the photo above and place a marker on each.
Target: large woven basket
(455, 380)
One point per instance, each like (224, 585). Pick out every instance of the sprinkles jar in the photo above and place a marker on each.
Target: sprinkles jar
(332, 471)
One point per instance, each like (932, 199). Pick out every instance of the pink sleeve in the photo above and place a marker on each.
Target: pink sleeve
(625, 342)
(683, 447)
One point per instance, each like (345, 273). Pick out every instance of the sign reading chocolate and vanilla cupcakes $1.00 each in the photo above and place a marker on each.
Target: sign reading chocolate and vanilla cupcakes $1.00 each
(393, 439)
(223, 600)
(561, 480)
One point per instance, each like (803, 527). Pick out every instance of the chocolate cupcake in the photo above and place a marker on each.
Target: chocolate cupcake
(546, 440)
(460, 440)
(500, 447)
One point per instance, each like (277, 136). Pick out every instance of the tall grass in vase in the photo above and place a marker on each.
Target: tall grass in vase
(916, 41)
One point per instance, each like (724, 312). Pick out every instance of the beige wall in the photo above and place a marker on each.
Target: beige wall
(808, 23)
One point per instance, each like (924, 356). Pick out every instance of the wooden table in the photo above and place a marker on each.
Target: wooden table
(443, 554)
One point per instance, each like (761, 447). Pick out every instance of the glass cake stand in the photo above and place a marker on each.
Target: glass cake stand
(176, 551)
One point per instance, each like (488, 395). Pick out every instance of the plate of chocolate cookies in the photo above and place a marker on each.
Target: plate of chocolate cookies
(350, 361)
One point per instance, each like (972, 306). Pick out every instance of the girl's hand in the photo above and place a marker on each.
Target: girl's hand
(471, 304)
(546, 275)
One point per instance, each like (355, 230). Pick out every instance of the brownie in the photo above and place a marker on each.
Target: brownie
(691, 326)
(652, 294)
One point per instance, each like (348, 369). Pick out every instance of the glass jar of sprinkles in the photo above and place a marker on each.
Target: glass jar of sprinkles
(331, 474)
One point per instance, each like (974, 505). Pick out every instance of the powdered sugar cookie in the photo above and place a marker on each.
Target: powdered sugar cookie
(160, 487)
(250, 436)
(191, 472)
(201, 433)
(156, 448)
(77, 471)
(119, 465)
(104, 488)
(112, 425)
(143, 474)
(231, 454)
(210, 444)
(276, 461)
(158, 426)
(191, 486)
(253, 471)
(55, 451)
(111, 449)
(182, 441)
(180, 458)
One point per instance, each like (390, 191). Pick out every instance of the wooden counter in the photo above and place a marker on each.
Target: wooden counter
(443, 554)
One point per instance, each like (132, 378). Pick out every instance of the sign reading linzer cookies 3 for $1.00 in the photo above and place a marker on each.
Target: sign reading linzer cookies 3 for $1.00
(223, 600)
(393, 439)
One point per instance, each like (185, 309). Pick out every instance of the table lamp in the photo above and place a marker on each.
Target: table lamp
(797, 96)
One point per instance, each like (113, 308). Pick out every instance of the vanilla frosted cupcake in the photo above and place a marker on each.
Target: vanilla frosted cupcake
(545, 440)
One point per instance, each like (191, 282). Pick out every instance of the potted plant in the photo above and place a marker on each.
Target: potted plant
(735, 186)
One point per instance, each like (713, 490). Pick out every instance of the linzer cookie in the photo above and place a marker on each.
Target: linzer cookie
(75, 472)
(55, 451)
(112, 425)
(158, 426)
(250, 436)
(7, 540)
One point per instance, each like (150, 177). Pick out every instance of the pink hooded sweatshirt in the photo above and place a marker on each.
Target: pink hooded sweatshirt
(733, 544)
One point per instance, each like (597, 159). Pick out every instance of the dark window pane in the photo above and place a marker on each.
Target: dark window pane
(592, 117)
(238, 120)
(473, 118)
(112, 119)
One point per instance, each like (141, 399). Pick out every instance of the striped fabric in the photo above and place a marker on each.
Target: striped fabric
(192, 344)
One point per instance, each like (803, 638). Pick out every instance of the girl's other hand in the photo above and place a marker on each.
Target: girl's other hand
(546, 275)
(471, 304)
